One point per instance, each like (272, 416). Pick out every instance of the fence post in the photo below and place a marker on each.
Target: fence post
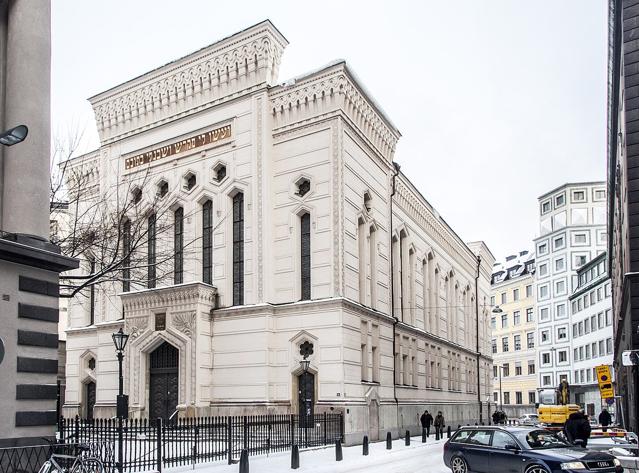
(325, 426)
(76, 429)
(229, 427)
(245, 432)
(197, 431)
(341, 427)
(159, 443)
(120, 446)
(292, 427)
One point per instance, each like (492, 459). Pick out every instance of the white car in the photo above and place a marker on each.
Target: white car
(528, 419)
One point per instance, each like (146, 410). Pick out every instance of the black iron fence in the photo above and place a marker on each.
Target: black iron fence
(29, 459)
(158, 444)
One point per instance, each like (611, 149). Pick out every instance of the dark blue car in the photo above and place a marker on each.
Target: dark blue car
(521, 450)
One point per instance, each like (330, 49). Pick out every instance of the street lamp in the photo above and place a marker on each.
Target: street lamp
(497, 310)
(14, 135)
(119, 340)
(304, 364)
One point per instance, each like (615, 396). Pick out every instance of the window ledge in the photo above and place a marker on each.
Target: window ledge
(370, 383)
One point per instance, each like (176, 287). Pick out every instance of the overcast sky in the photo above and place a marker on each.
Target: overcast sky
(497, 101)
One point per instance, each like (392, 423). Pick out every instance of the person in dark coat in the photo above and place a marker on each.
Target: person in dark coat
(439, 424)
(605, 419)
(426, 420)
(577, 427)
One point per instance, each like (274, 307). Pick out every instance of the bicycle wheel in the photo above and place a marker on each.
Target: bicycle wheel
(89, 465)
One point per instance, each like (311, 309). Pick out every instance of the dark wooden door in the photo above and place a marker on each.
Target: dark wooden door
(306, 396)
(90, 397)
(163, 389)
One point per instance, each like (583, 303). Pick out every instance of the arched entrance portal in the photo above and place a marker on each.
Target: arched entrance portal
(306, 397)
(163, 386)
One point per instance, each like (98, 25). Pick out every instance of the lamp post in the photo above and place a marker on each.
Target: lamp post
(304, 364)
(122, 408)
(14, 135)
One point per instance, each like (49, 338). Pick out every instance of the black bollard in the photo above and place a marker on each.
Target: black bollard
(424, 435)
(458, 426)
(365, 446)
(244, 464)
(448, 431)
(407, 438)
(295, 457)
(436, 433)
(389, 441)
(338, 451)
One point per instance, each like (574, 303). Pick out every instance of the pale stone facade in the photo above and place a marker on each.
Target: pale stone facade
(317, 145)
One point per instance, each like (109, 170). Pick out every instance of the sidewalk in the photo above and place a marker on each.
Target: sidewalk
(417, 457)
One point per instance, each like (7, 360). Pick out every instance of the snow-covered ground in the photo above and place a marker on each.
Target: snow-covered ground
(417, 457)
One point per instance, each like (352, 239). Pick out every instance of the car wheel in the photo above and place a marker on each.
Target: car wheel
(459, 465)
(536, 469)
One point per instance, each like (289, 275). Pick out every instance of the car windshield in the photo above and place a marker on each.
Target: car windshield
(538, 439)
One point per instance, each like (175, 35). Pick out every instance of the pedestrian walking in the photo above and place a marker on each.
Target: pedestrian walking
(605, 419)
(439, 424)
(577, 427)
(427, 420)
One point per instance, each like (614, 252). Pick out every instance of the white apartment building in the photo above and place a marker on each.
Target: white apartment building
(592, 333)
(290, 231)
(572, 232)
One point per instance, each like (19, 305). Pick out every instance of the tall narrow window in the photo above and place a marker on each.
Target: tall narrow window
(396, 275)
(305, 253)
(178, 246)
(151, 252)
(207, 242)
(238, 249)
(92, 296)
(361, 255)
(425, 298)
(372, 243)
(411, 287)
(126, 256)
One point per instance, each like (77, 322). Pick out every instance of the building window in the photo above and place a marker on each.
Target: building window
(542, 248)
(503, 297)
(560, 287)
(561, 333)
(531, 397)
(544, 314)
(563, 356)
(543, 292)
(136, 195)
(531, 367)
(506, 397)
(546, 381)
(542, 269)
(504, 320)
(190, 181)
(494, 344)
(578, 196)
(518, 398)
(545, 358)
(529, 314)
(495, 368)
(530, 340)
(560, 200)
(505, 370)
(560, 310)
(303, 187)
(305, 256)
(608, 346)
(504, 344)
(126, 256)
(545, 336)
(515, 294)
(529, 290)
(207, 242)
(492, 301)
(545, 207)
(92, 294)
(608, 317)
(151, 254)
(580, 239)
(516, 318)
(559, 242)
(220, 172)
(600, 194)
(238, 249)
(560, 264)
(178, 246)
(493, 322)
(517, 342)
(163, 189)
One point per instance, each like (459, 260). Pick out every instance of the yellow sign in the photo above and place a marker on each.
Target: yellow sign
(195, 141)
(605, 381)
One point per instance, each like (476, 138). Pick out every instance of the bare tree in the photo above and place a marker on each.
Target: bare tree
(106, 222)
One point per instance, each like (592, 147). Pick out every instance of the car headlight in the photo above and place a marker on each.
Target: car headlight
(617, 462)
(573, 466)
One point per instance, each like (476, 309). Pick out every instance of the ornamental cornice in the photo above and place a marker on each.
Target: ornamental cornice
(232, 65)
(181, 295)
(328, 90)
(423, 215)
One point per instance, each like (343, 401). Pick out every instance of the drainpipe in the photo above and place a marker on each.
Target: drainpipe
(481, 413)
(392, 290)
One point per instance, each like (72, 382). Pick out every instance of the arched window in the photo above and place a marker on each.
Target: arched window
(178, 246)
(305, 256)
(361, 255)
(207, 242)
(372, 263)
(238, 249)
(151, 253)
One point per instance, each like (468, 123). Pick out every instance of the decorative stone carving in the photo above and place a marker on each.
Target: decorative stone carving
(185, 322)
(136, 326)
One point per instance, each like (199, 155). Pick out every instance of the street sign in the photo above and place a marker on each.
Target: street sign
(610, 401)
(630, 358)
(605, 381)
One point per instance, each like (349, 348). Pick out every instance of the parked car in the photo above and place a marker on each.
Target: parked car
(528, 419)
(521, 450)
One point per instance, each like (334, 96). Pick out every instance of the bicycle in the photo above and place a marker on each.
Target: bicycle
(82, 463)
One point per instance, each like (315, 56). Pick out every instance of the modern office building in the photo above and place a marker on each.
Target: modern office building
(572, 226)
(291, 235)
(29, 263)
(514, 333)
(623, 198)
(591, 318)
